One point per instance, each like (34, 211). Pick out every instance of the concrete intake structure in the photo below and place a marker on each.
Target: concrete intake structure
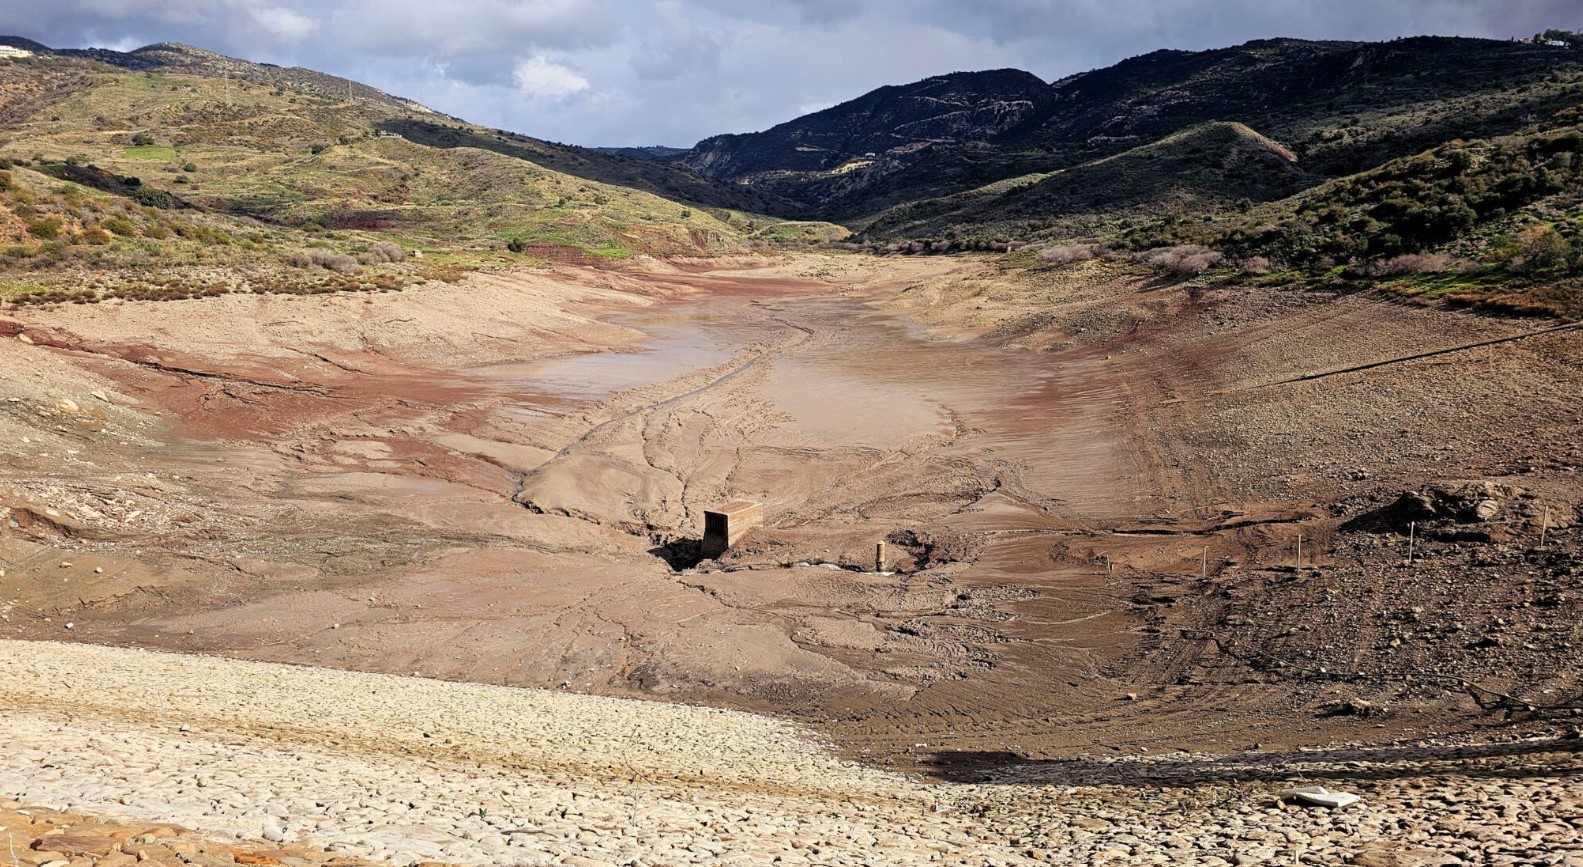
(725, 526)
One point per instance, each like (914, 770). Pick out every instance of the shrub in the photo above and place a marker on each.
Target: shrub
(1185, 260)
(517, 245)
(326, 259)
(121, 226)
(384, 251)
(1064, 254)
(142, 139)
(1537, 250)
(1257, 265)
(1416, 263)
(151, 197)
(45, 228)
(96, 235)
(5, 181)
(190, 167)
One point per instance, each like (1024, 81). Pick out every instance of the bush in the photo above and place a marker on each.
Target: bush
(326, 259)
(151, 197)
(96, 235)
(121, 226)
(45, 228)
(517, 245)
(384, 251)
(1416, 263)
(1257, 265)
(142, 139)
(1065, 254)
(1538, 250)
(1185, 260)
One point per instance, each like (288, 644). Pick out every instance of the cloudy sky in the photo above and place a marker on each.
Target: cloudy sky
(624, 72)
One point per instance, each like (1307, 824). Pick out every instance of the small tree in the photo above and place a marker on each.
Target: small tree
(142, 140)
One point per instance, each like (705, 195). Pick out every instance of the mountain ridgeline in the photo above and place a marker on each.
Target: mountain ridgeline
(1293, 154)
(1005, 156)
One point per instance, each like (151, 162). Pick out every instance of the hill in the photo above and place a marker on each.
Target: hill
(1341, 107)
(211, 174)
(648, 152)
(1201, 170)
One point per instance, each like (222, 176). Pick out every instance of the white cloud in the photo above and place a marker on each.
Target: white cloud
(674, 71)
(541, 78)
(285, 24)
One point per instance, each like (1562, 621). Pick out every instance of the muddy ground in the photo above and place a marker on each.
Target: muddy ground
(1093, 486)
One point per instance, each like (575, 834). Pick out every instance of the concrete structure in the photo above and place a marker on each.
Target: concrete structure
(726, 525)
(11, 51)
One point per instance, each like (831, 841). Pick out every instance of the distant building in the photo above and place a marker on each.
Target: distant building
(1555, 43)
(10, 51)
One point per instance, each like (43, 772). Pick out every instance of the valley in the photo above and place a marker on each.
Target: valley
(1091, 486)
(1132, 448)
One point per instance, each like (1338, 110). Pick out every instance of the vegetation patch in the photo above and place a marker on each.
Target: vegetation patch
(149, 152)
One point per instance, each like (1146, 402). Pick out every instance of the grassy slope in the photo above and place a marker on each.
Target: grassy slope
(275, 171)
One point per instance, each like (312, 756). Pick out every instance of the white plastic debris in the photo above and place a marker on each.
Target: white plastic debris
(1319, 796)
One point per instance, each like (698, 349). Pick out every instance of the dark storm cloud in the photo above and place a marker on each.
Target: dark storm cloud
(672, 71)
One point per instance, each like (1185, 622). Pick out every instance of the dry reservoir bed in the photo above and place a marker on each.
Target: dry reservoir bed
(405, 770)
(1092, 485)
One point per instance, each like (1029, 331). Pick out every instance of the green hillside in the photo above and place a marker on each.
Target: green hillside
(177, 161)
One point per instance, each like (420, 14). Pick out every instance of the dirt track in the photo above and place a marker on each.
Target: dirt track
(1092, 486)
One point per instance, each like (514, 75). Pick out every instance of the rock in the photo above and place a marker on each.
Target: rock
(68, 406)
(78, 844)
(99, 395)
(1486, 510)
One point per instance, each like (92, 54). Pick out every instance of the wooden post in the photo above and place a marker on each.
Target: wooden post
(1203, 566)
(1299, 551)
(879, 556)
(1544, 527)
(1412, 535)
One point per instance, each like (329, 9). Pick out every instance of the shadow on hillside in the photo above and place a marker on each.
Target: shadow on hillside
(659, 177)
(1008, 768)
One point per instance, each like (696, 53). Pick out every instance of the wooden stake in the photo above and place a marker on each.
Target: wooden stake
(879, 556)
(1544, 527)
(1299, 550)
(1203, 567)
(1412, 536)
